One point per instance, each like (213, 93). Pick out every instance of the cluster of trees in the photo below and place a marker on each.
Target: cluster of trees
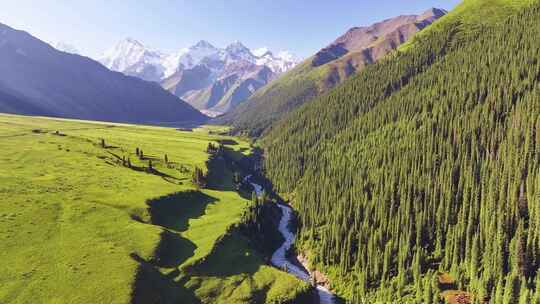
(198, 178)
(260, 223)
(426, 162)
(139, 153)
(214, 150)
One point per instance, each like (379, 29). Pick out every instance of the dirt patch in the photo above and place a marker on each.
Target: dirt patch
(320, 278)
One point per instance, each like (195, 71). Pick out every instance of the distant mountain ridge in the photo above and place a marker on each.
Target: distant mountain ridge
(365, 45)
(198, 73)
(67, 48)
(37, 79)
(349, 53)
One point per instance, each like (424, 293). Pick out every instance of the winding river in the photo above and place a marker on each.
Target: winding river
(279, 258)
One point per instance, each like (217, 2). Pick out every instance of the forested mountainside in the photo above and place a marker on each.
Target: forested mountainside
(348, 54)
(426, 163)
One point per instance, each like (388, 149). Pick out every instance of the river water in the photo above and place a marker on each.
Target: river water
(279, 258)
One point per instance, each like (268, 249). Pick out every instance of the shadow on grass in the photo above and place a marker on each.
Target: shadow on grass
(116, 160)
(231, 256)
(172, 212)
(175, 210)
(152, 286)
(173, 250)
(219, 176)
(228, 142)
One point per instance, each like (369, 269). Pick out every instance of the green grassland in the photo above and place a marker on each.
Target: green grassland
(472, 15)
(77, 225)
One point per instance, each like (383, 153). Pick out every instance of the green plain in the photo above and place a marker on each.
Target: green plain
(79, 226)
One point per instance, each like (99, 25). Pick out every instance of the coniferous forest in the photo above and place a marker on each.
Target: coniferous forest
(423, 166)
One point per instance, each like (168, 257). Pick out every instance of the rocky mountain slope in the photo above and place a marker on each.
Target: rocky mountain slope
(351, 52)
(40, 80)
(211, 79)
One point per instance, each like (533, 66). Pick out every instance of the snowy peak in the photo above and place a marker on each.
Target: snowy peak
(207, 77)
(238, 51)
(188, 58)
(66, 48)
(261, 52)
(131, 57)
(287, 56)
(237, 47)
(203, 44)
(279, 64)
(131, 42)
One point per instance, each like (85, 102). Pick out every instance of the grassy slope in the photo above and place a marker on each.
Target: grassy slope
(472, 14)
(67, 205)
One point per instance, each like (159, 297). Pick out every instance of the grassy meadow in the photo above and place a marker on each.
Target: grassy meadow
(79, 225)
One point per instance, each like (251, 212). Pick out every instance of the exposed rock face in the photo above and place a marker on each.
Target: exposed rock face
(237, 82)
(364, 45)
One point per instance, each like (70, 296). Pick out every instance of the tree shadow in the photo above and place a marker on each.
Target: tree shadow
(231, 255)
(173, 250)
(219, 176)
(116, 160)
(153, 287)
(175, 210)
(228, 142)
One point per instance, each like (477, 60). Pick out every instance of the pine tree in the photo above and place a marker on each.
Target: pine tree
(428, 291)
(536, 298)
(525, 297)
(198, 178)
(511, 289)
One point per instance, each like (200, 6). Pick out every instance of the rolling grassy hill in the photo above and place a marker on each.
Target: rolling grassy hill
(78, 225)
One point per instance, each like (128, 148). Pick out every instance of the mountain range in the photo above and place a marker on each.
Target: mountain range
(213, 80)
(332, 65)
(38, 79)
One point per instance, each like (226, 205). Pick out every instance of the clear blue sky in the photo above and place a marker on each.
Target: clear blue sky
(301, 26)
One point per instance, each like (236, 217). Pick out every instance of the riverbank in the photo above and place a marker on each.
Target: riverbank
(280, 258)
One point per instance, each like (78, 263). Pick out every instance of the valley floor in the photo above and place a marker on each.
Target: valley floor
(84, 219)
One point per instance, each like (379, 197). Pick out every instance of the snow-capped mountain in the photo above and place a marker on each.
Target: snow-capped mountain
(188, 58)
(66, 48)
(191, 72)
(131, 57)
(280, 63)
